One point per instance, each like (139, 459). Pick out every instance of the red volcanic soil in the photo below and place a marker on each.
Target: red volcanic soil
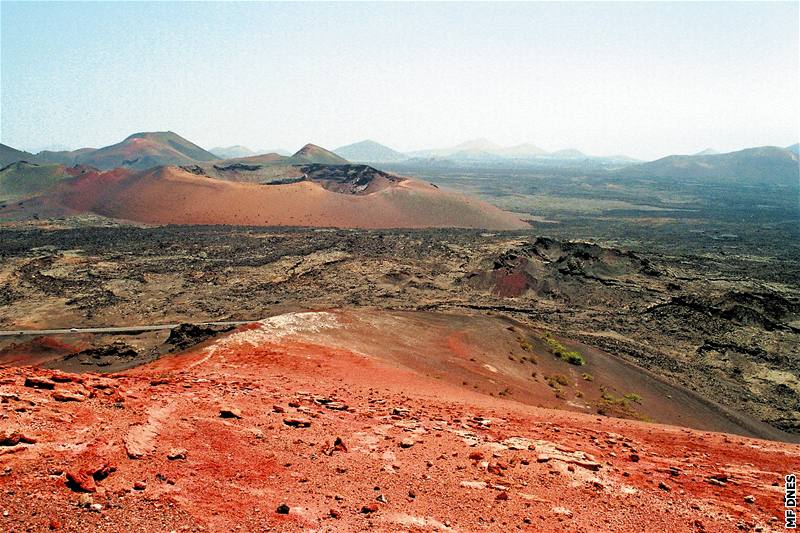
(293, 423)
(169, 195)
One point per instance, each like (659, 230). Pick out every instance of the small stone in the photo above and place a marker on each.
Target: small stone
(230, 412)
(476, 456)
(589, 465)
(176, 454)
(664, 486)
(297, 422)
(139, 485)
(68, 397)
(371, 508)
(635, 457)
(381, 498)
(339, 445)
(334, 513)
(103, 472)
(406, 443)
(96, 507)
(278, 409)
(750, 499)
(501, 496)
(282, 509)
(542, 458)
(14, 438)
(39, 383)
(81, 481)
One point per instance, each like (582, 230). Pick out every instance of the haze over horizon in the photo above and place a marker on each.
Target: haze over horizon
(643, 80)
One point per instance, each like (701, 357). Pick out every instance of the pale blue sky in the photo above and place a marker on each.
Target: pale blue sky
(641, 79)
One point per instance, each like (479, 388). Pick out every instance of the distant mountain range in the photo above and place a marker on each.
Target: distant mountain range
(769, 164)
(150, 149)
(481, 151)
(232, 152)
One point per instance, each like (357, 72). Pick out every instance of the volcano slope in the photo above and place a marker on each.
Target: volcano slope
(296, 422)
(312, 195)
(723, 326)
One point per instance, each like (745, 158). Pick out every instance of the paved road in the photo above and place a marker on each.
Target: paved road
(122, 329)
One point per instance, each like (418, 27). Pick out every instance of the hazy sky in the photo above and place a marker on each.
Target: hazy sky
(642, 79)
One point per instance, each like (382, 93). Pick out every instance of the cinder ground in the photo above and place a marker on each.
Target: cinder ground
(295, 423)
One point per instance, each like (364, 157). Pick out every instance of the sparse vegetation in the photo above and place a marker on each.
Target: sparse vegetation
(619, 406)
(559, 350)
(557, 380)
(633, 397)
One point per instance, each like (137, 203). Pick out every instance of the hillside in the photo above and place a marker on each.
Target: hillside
(10, 155)
(305, 421)
(370, 152)
(146, 150)
(23, 180)
(68, 158)
(340, 196)
(311, 153)
(763, 164)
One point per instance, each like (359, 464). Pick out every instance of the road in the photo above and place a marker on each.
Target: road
(118, 329)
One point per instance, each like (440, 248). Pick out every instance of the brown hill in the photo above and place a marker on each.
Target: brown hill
(146, 150)
(311, 153)
(171, 195)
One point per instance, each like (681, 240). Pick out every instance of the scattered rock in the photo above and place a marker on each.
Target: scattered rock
(14, 438)
(542, 458)
(81, 481)
(68, 397)
(589, 465)
(664, 486)
(176, 454)
(230, 412)
(297, 422)
(103, 472)
(750, 499)
(139, 485)
(39, 383)
(282, 509)
(407, 443)
(635, 457)
(371, 508)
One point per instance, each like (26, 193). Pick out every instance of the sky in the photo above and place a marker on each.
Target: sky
(643, 79)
